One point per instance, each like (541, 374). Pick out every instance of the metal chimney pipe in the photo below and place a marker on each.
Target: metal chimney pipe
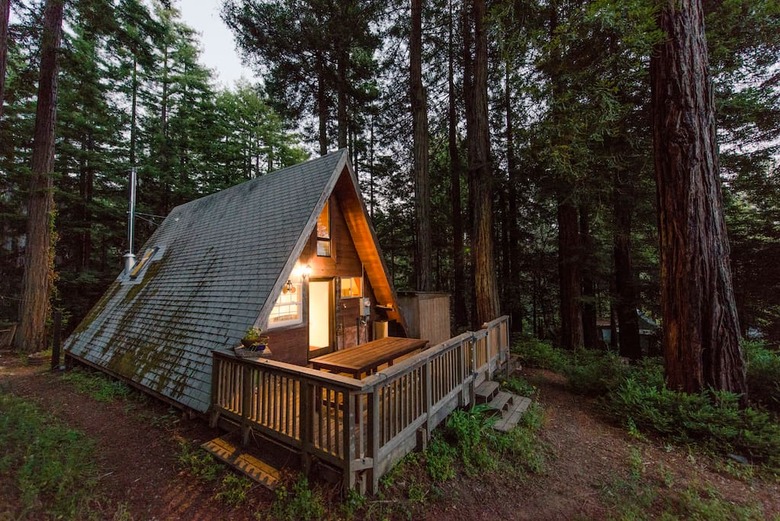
(130, 256)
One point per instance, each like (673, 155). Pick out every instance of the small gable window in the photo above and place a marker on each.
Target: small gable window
(288, 310)
(323, 232)
(141, 264)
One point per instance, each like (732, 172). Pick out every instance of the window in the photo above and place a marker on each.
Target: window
(148, 254)
(288, 308)
(323, 232)
(351, 287)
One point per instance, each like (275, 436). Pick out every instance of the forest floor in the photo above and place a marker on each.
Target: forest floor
(593, 470)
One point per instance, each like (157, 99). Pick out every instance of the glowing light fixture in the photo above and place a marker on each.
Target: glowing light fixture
(306, 272)
(288, 287)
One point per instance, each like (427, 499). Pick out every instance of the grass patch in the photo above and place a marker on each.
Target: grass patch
(517, 385)
(296, 501)
(51, 466)
(96, 385)
(199, 463)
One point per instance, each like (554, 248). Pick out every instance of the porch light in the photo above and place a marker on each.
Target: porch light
(288, 287)
(306, 272)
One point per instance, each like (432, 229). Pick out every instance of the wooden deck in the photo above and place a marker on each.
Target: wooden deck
(361, 427)
(367, 358)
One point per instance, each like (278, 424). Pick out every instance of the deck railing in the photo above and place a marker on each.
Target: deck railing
(362, 427)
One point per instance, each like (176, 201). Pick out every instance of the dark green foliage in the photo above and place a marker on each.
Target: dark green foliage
(518, 385)
(51, 465)
(763, 375)
(710, 419)
(594, 373)
(539, 353)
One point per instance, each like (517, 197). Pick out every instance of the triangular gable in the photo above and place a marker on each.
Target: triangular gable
(345, 185)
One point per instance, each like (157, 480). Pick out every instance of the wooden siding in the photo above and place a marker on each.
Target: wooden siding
(291, 344)
(427, 315)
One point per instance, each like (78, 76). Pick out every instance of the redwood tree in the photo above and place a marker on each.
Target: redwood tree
(700, 327)
(422, 194)
(480, 176)
(38, 272)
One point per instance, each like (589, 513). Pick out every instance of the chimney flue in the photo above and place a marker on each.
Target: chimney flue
(130, 256)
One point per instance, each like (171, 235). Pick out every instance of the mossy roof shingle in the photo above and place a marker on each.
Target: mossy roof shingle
(220, 258)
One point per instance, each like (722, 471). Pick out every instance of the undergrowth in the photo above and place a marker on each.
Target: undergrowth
(647, 491)
(231, 488)
(636, 397)
(96, 385)
(51, 466)
(296, 501)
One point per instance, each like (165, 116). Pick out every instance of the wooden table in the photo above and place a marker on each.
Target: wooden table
(366, 358)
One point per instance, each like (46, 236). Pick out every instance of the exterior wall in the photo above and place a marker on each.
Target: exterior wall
(427, 315)
(291, 344)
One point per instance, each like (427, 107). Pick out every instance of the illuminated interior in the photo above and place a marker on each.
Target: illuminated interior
(323, 232)
(287, 310)
(319, 314)
(351, 287)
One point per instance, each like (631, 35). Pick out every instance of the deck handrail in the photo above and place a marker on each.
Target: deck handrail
(364, 426)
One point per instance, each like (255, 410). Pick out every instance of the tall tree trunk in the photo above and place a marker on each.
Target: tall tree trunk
(480, 177)
(459, 272)
(513, 251)
(589, 308)
(625, 286)
(5, 14)
(39, 254)
(572, 334)
(422, 193)
(700, 326)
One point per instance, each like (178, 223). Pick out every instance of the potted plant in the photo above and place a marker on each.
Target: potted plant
(254, 341)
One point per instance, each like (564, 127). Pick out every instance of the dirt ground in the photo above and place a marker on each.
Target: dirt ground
(138, 442)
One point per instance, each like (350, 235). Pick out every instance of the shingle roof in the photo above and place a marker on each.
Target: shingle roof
(220, 259)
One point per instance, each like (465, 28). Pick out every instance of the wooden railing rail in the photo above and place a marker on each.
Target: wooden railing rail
(365, 426)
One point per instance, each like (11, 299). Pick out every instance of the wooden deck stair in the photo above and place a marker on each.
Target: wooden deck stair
(249, 465)
(509, 406)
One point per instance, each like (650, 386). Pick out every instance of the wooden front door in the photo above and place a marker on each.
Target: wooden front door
(321, 317)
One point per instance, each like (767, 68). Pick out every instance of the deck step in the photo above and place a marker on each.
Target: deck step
(501, 401)
(512, 416)
(249, 465)
(486, 391)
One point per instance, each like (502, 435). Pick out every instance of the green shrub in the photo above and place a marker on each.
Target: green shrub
(594, 373)
(98, 386)
(440, 459)
(763, 373)
(538, 353)
(471, 432)
(711, 419)
(517, 385)
(52, 465)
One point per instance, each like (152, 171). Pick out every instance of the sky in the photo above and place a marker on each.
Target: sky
(218, 51)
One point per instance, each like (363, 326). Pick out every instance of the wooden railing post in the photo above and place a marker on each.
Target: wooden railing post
(246, 397)
(374, 441)
(307, 425)
(427, 395)
(348, 422)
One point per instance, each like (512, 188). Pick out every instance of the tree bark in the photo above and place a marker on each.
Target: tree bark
(625, 285)
(700, 326)
(322, 107)
(341, 94)
(513, 252)
(39, 254)
(480, 177)
(570, 278)
(5, 14)
(589, 308)
(422, 192)
(460, 310)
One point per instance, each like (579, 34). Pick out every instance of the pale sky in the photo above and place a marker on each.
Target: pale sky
(218, 51)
